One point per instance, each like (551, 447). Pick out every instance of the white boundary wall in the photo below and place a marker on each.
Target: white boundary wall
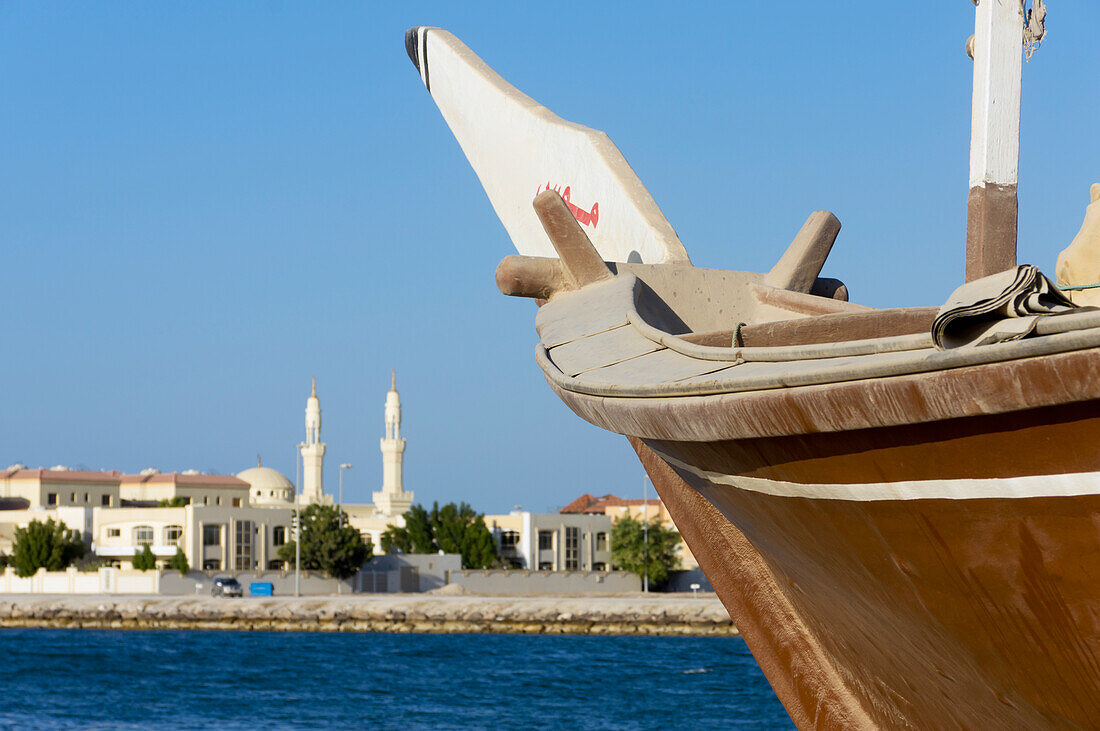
(72, 581)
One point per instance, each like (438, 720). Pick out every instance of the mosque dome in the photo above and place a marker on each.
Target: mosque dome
(267, 486)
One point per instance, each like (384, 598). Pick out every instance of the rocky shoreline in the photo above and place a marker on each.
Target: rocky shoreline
(619, 615)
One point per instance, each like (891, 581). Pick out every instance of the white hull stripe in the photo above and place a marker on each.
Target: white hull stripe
(1029, 486)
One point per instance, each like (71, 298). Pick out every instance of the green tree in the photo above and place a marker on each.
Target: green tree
(144, 559)
(451, 529)
(179, 562)
(48, 545)
(175, 502)
(628, 548)
(414, 537)
(338, 550)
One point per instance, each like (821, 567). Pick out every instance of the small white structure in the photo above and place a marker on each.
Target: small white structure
(267, 486)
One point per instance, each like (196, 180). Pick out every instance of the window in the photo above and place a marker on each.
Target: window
(572, 548)
(212, 535)
(599, 566)
(509, 539)
(87, 498)
(601, 542)
(212, 564)
(274, 565)
(236, 502)
(278, 535)
(72, 498)
(143, 535)
(205, 500)
(546, 566)
(243, 553)
(546, 540)
(105, 500)
(172, 535)
(51, 498)
(114, 533)
(219, 500)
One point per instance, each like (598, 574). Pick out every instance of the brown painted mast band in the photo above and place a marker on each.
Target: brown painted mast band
(991, 218)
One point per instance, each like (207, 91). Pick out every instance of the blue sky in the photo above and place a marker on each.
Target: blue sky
(203, 204)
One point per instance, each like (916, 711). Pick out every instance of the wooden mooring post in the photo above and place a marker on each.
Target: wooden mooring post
(994, 138)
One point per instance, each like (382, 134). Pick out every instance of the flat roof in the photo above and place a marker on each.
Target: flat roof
(46, 475)
(180, 478)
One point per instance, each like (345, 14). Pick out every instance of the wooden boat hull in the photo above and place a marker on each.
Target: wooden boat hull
(905, 551)
(867, 605)
(911, 546)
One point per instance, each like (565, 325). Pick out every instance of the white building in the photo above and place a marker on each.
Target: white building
(190, 487)
(552, 541)
(212, 538)
(117, 514)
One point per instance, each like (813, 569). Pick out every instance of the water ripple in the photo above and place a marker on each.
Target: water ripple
(92, 679)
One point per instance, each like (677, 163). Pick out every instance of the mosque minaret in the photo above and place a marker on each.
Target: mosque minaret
(313, 452)
(392, 500)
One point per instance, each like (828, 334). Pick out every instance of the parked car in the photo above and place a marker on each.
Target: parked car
(226, 586)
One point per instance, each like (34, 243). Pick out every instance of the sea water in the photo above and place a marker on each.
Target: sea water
(92, 679)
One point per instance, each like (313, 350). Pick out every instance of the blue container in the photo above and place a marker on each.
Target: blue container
(261, 588)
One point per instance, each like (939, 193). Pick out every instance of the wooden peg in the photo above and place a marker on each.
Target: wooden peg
(583, 264)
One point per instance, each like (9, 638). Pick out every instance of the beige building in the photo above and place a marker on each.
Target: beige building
(74, 518)
(552, 541)
(151, 487)
(616, 507)
(21, 488)
(64, 495)
(212, 538)
(116, 514)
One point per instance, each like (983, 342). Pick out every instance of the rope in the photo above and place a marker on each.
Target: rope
(1035, 29)
(737, 341)
(1094, 285)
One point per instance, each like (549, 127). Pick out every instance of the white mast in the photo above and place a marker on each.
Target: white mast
(995, 137)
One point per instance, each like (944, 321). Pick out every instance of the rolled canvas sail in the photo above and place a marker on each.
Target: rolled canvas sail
(519, 148)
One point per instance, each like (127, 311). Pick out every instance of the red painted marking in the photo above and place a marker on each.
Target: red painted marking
(585, 218)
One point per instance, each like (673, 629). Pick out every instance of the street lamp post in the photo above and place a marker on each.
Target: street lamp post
(298, 521)
(340, 514)
(340, 505)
